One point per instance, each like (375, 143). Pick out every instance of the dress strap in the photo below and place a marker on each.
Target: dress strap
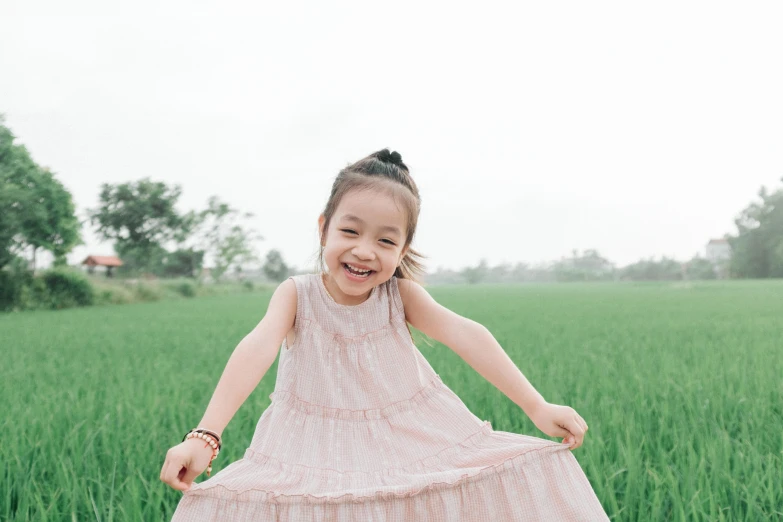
(397, 310)
(302, 283)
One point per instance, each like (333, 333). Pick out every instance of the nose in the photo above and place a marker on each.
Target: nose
(362, 252)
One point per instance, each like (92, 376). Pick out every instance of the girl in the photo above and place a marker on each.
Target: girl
(360, 427)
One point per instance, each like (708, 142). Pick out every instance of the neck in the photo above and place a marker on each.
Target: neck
(334, 290)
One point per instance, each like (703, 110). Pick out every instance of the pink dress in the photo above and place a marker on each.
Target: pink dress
(361, 428)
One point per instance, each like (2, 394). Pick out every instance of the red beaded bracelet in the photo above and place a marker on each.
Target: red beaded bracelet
(210, 439)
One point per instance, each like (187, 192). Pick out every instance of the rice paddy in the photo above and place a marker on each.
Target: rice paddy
(681, 385)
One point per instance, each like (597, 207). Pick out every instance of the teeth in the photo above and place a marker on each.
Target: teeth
(357, 269)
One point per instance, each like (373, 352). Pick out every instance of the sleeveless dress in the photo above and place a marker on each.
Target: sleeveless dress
(361, 428)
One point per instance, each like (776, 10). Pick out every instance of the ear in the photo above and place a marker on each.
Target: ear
(321, 220)
(402, 255)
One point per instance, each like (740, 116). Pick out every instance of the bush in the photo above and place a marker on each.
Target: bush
(186, 288)
(13, 280)
(34, 295)
(114, 295)
(248, 285)
(65, 288)
(147, 292)
(10, 289)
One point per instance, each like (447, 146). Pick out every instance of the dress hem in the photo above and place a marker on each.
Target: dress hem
(220, 491)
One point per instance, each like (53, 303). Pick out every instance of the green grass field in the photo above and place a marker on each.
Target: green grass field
(681, 385)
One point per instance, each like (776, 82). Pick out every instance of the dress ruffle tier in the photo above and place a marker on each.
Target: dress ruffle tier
(458, 487)
(352, 434)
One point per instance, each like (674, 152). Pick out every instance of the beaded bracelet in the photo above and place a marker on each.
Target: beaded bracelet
(210, 442)
(211, 439)
(203, 430)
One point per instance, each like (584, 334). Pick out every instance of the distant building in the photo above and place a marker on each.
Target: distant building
(105, 263)
(718, 252)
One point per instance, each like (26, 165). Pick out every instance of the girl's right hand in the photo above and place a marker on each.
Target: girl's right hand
(560, 421)
(184, 462)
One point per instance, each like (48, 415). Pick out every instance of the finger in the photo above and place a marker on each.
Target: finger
(163, 473)
(579, 442)
(569, 438)
(177, 482)
(577, 433)
(572, 442)
(170, 475)
(575, 427)
(166, 472)
(190, 475)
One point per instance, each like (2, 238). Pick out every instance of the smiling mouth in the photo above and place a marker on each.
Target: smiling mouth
(357, 274)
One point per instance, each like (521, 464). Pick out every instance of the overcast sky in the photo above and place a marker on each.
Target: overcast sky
(533, 128)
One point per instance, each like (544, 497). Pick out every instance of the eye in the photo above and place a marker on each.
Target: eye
(349, 231)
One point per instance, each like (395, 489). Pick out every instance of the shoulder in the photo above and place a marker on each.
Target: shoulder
(287, 289)
(282, 305)
(298, 285)
(279, 316)
(416, 301)
(404, 287)
(427, 315)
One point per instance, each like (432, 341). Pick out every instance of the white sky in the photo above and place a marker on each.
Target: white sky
(638, 129)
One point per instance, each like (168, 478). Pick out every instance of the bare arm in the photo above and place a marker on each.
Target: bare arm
(472, 342)
(251, 359)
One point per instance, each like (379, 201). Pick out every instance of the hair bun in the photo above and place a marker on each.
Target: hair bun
(396, 158)
(390, 157)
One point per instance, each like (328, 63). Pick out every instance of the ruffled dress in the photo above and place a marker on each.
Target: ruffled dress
(361, 428)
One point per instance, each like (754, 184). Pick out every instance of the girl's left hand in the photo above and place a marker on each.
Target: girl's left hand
(560, 421)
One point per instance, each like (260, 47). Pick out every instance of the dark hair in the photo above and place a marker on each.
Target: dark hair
(381, 171)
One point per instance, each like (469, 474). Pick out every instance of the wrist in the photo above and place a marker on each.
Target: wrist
(199, 443)
(211, 425)
(533, 406)
(219, 433)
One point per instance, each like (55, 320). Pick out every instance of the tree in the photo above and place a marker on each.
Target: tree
(140, 217)
(589, 266)
(700, 268)
(226, 240)
(149, 260)
(757, 249)
(500, 273)
(183, 262)
(51, 223)
(475, 274)
(651, 270)
(14, 161)
(38, 210)
(275, 268)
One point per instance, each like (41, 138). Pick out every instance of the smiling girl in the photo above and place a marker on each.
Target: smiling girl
(360, 427)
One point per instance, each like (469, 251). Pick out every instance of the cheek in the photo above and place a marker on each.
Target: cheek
(390, 259)
(332, 251)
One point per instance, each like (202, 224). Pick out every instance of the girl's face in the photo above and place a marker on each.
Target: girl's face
(366, 231)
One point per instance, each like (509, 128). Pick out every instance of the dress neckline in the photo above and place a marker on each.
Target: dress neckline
(329, 297)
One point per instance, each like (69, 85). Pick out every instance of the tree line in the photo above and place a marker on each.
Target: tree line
(756, 253)
(588, 265)
(140, 218)
(152, 237)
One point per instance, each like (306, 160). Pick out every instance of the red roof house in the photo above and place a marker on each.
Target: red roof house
(102, 261)
(107, 261)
